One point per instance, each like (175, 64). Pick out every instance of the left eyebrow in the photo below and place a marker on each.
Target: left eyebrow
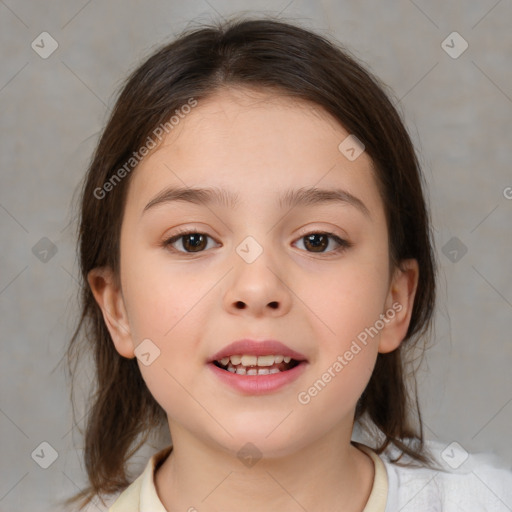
(289, 198)
(313, 196)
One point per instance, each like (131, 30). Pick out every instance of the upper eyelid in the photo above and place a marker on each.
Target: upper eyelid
(306, 232)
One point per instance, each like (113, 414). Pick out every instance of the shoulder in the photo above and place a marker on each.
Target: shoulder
(139, 493)
(460, 482)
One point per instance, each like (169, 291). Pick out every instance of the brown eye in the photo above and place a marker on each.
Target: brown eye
(190, 242)
(194, 242)
(319, 242)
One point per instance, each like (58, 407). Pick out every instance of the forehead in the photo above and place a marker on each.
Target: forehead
(255, 144)
(248, 118)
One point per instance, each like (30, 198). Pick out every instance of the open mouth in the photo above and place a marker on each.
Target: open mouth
(256, 365)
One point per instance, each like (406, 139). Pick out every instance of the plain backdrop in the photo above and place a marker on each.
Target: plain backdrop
(457, 106)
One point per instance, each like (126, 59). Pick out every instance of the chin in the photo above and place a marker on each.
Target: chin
(261, 441)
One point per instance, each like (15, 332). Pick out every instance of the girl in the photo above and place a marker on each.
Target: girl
(257, 261)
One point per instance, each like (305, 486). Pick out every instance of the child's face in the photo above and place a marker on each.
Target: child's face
(193, 304)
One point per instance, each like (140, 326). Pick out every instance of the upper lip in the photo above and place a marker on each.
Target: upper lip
(257, 348)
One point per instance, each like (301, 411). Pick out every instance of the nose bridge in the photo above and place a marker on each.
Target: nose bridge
(256, 283)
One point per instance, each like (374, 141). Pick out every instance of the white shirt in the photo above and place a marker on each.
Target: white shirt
(477, 486)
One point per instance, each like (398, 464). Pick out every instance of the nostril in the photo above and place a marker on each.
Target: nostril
(241, 305)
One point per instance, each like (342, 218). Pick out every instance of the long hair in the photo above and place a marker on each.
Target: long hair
(295, 62)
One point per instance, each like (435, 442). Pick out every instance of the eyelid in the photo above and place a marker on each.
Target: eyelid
(180, 231)
(331, 231)
(327, 231)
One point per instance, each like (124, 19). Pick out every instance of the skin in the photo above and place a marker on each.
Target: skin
(256, 144)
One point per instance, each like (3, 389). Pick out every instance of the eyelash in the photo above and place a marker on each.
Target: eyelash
(343, 244)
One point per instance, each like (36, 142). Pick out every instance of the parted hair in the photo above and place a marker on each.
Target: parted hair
(293, 61)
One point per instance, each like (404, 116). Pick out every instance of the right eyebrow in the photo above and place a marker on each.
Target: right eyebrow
(194, 195)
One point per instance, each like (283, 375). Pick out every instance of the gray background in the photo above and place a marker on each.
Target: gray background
(459, 113)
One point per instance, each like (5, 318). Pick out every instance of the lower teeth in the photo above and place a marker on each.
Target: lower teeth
(242, 370)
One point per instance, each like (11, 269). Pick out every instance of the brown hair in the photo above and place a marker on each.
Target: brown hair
(266, 54)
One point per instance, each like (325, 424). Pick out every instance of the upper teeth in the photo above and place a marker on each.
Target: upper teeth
(247, 360)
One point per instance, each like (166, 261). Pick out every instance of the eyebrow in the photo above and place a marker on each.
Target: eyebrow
(290, 198)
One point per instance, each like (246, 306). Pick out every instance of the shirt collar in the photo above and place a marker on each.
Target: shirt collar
(141, 495)
(379, 493)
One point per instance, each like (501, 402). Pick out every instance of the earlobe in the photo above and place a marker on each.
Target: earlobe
(399, 305)
(110, 300)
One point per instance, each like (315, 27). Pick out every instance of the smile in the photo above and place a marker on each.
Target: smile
(256, 365)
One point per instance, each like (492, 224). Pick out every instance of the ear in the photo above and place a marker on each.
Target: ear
(398, 306)
(109, 297)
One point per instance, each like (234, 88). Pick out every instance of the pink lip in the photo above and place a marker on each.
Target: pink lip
(257, 348)
(258, 384)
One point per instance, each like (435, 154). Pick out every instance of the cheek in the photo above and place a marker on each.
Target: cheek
(174, 323)
(166, 307)
(347, 300)
(349, 303)
(347, 348)
(157, 296)
(333, 394)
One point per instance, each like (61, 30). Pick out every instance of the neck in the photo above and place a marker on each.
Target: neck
(330, 471)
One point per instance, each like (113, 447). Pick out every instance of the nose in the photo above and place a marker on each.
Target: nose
(258, 289)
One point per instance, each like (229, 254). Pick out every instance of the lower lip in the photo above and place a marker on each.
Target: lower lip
(259, 384)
